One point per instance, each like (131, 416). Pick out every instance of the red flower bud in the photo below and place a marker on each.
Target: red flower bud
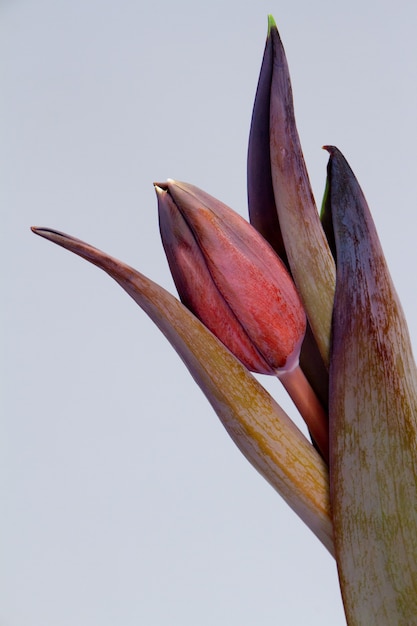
(231, 278)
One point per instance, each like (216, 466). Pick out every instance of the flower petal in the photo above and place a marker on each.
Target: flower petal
(196, 287)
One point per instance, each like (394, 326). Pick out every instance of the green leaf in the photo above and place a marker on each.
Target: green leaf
(255, 422)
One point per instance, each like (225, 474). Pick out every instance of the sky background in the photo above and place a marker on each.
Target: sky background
(123, 499)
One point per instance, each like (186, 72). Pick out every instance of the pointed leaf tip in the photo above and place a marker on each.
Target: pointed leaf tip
(271, 24)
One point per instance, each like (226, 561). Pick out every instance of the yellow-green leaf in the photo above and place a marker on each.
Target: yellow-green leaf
(255, 422)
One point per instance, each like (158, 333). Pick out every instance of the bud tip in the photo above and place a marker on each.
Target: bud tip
(271, 24)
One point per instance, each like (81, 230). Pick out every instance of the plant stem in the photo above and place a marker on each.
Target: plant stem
(309, 407)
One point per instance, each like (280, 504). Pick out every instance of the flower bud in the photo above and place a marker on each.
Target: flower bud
(231, 279)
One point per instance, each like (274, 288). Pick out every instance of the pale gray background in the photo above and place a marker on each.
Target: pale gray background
(123, 501)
